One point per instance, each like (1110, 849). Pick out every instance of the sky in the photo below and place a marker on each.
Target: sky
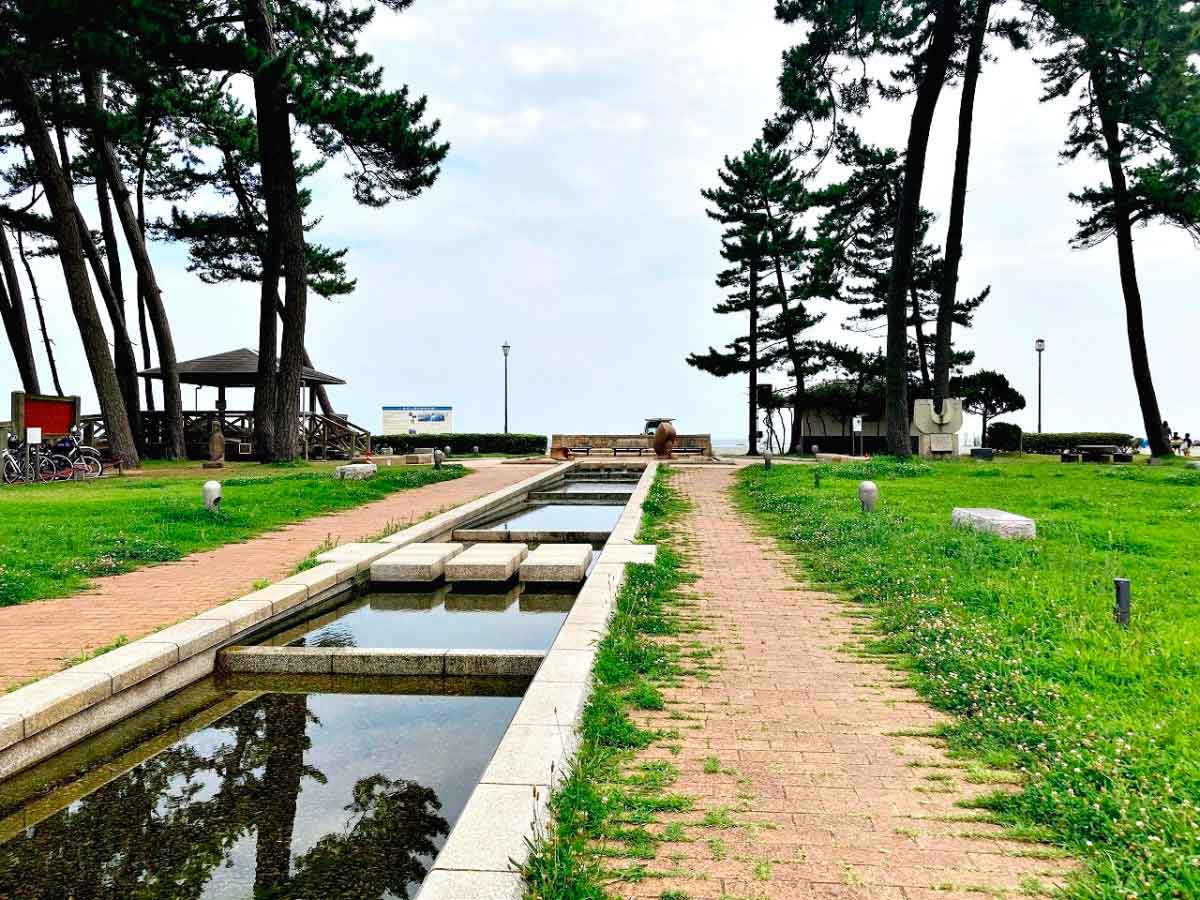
(568, 221)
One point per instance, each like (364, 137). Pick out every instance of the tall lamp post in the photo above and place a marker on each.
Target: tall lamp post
(1039, 345)
(505, 347)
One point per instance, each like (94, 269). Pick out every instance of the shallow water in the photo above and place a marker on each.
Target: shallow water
(563, 517)
(510, 620)
(598, 487)
(280, 795)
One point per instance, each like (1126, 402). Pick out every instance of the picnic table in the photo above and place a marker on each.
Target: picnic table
(1100, 452)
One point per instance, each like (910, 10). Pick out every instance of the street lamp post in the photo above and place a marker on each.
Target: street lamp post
(1039, 345)
(505, 347)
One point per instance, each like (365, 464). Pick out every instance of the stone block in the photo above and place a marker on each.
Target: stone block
(490, 834)
(54, 698)
(241, 614)
(135, 662)
(552, 703)
(355, 471)
(416, 562)
(532, 755)
(640, 554)
(486, 562)
(994, 521)
(444, 884)
(493, 662)
(12, 729)
(985, 453)
(361, 554)
(278, 660)
(282, 597)
(359, 661)
(316, 579)
(418, 459)
(194, 635)
(566, 666)
(557, 563)
(578, 637)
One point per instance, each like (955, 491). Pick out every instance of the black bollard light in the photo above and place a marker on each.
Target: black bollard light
(816, 478)
(1122, 603)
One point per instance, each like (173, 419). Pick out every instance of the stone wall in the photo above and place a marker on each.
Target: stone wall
(609, 441)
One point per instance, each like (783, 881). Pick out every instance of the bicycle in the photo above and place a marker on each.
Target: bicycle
(79, 454)
(36, 468)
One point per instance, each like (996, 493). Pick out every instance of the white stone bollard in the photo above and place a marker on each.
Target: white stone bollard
(868, 495)
(212, 496)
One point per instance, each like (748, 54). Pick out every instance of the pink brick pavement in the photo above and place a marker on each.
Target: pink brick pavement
(830, 802)
(36, 639)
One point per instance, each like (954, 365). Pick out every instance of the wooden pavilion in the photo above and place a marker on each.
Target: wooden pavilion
(322, 436)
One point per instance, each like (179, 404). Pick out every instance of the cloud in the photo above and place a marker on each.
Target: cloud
(532, 59)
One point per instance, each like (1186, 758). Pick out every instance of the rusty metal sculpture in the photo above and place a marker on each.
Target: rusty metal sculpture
(664, 439)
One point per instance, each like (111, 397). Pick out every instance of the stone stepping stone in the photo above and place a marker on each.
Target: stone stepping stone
(557, 563)
(994, 521)
(416, 562)
(486, 562)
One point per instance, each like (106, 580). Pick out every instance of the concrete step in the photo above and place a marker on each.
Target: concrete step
(416, 562)
(486, 562)
(561, 563)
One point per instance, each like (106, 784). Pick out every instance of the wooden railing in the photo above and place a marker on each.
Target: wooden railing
(321, 437)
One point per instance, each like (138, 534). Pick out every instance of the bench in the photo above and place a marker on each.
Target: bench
(689, 451)
(617, 451)
(1098, 452)
(580, 451)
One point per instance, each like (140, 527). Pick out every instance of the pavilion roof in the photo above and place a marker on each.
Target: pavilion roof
(235, 368)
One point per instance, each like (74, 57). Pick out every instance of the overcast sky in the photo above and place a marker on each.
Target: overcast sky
(568, 221)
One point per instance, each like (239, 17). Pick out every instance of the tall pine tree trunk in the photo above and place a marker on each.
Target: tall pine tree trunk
(173, 444)
(1123, 225)
(922, 343)
(943, 342)
(15, 83)
(12, 311)
(284, 219)
(752, 299)
(793, 350)
(268, 360)
(122, 347)
(41, 314)
(147, 362)
(936, 60)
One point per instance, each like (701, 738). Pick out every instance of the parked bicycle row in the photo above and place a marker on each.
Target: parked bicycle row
(61, 460)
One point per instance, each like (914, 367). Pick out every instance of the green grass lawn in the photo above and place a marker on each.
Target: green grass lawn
(55, 537)
(1018, 640)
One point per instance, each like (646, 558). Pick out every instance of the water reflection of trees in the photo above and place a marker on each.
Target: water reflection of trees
(162, 829)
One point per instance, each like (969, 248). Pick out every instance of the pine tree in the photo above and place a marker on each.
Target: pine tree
(1129, 64)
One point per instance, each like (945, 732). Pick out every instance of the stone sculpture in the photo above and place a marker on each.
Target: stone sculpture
(664, 439)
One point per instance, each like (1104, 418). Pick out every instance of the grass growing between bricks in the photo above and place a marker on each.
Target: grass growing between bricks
(54, 538)
(600, 830)
(1096, 730)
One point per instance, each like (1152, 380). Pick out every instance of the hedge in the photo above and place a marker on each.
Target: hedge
(1003, 436)
(463, 442)
(1057, 442)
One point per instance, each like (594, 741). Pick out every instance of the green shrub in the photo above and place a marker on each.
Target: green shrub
(464, 442)
(1003, 436)
(1058, 441)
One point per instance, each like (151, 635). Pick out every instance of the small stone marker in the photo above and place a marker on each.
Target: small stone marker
(212, 495)
(994, 521)
(868, 495)
(416, 562)
(486, 562)
(767, 459)
(557, 563)
(437, 459)
(355, 471)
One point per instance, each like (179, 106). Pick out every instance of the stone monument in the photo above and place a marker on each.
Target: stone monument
(216, 448)
(937, 435)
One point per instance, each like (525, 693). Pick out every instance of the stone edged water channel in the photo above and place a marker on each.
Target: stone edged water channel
(257, 786)
(69, 822)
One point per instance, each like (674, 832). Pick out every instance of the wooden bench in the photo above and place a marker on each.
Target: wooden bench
(617, 451)
(689, 451)
(580, 451)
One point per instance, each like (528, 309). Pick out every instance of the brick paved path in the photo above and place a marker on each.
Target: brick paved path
(37, 638)
(829, 802)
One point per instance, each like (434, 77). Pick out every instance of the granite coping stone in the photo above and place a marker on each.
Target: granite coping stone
(493, 662)
(552, 703)
(12, 729)
(192, 636)
(135, 662)
(54, 698)
(282, 597)
(387, 661)
(566, 666)
(642, 554)
(277, 661)
(241, 614)
(532, 755)
(478, 844)
(361, 554)
(444, 884)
